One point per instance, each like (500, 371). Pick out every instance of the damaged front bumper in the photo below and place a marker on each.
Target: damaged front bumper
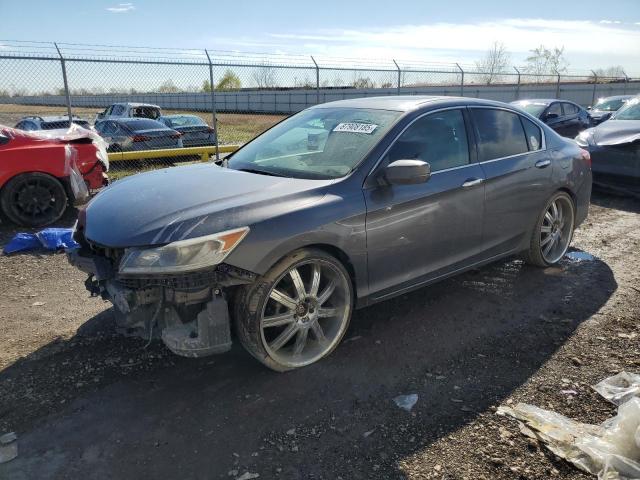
(188, 311)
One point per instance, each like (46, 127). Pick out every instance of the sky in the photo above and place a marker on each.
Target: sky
(595, 34)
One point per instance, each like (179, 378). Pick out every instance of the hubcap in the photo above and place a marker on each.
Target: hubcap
(306, 313)
(556, 229)
(35, 199)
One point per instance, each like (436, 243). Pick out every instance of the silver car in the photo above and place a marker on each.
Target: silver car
(338, 207)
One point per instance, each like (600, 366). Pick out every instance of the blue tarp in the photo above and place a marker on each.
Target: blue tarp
(51, 239)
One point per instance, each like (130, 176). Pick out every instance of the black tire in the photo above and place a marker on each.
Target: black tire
(536, 254)
(33, 199)
(251, 300)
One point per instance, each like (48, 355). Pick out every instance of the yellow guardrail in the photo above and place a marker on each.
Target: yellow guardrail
(203, 152)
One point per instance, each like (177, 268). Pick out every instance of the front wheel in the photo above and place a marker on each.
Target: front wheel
(553, 232)
(297, 313)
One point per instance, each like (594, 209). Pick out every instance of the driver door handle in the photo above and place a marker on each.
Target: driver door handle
(472, 182)
(543, 163)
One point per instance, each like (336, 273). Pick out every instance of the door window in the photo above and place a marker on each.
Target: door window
(555, 109)
(534, 134)
(440, 139)
(569, 108)
(500, 133)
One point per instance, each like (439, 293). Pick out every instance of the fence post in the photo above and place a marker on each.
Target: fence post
(213, 105)
(595, 84)
(558, 85)
(461, 80)
(399, 76)
(66, 84)
(626, 81)
(317, 80)
(518, 85)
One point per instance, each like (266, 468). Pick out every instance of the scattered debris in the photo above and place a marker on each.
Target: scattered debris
(8, 447)
(37, 304)
(580, 256)
(610, 450)
(291, 431)
(248, 476)
(406, 402)
(51, 239)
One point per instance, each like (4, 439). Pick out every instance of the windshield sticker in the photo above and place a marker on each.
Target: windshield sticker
(355, 127)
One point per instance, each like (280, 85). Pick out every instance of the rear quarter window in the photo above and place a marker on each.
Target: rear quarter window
(533, 133)
(500, 133)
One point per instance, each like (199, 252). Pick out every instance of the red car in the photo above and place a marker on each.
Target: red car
(43, 172)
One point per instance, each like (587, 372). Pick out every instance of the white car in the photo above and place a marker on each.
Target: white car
(130, 110)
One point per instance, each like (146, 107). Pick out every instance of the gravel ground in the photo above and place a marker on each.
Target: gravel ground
(88, 404)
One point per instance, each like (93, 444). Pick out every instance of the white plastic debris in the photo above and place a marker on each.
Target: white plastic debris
(619, 388)
(406, 402)
(8, 447)
(248, 476)
(610, 450)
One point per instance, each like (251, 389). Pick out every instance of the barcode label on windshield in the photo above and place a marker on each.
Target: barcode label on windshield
(355, 127)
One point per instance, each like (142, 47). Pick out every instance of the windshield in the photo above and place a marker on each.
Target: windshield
(185, 121)
(320, 143)
(533, 108)
(610, 105)
(631, 111)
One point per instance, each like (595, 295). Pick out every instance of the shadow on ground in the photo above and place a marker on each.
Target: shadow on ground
(101, 406)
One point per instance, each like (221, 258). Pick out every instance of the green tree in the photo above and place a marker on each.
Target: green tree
(229, 81)
(206, 86)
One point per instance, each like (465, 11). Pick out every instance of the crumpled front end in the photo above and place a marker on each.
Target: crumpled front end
(187, 311)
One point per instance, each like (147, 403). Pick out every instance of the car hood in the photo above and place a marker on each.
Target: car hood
(172, 204)
(616, 132)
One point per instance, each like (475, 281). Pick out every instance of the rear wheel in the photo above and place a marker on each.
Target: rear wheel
(297, 313)
(553, 232)
(33, 199)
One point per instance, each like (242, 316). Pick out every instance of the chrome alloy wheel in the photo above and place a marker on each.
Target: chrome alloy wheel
(306, 313)
(556, 229)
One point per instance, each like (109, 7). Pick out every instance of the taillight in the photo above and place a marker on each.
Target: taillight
(141, 138)
(586, 156)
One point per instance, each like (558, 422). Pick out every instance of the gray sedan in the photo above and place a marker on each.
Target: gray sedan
(135, 134)
(338, 207)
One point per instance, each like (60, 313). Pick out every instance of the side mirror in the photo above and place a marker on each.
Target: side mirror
(589, 107)
(407, 172)
(551, 116)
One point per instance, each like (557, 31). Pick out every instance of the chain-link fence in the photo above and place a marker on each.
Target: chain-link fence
(221, 99)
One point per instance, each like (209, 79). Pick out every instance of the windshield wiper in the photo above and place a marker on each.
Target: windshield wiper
(260, 172)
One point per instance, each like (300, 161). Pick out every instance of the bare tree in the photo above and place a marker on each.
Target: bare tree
(494, 62)
(544, 61)
(611, 72)
(168, 87)
(264, 76)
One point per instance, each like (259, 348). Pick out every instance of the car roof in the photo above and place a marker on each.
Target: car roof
(136, 104)
(132, 119)
(405, 103)
(54, 118)
(176, 115)
(545, 101)
(616, 97)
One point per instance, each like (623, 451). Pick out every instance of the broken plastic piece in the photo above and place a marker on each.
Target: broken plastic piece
(619, 388)
(49, 239)
(406, 402)
(610, 450)
(8, 447)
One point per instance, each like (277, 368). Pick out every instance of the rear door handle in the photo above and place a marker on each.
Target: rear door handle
(543, 163)
(472, 182)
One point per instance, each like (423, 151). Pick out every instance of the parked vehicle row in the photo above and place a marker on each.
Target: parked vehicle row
(614, 146)
(337, 207)
(135, 126)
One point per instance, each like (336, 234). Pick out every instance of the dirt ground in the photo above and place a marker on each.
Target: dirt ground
(88, 404)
